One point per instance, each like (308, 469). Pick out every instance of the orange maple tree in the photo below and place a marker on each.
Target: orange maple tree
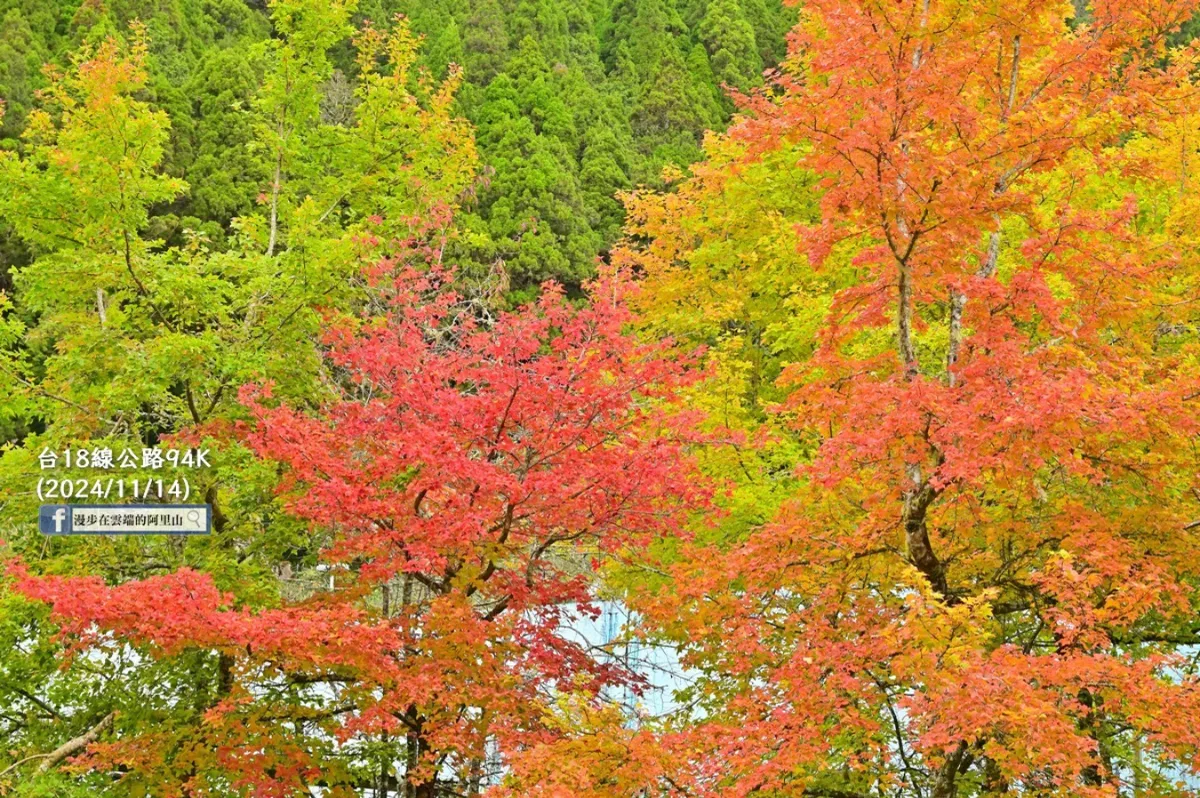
(985, 583)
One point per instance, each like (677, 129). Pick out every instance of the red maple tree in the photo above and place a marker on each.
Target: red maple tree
(465, 474)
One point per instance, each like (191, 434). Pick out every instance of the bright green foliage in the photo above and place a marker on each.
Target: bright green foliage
(81, 198)
(722, 271)
(290, 99)
(186, 40)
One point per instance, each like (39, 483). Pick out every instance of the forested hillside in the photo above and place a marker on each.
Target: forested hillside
(572, 103)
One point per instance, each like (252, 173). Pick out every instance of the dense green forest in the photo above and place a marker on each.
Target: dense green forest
(571, 102)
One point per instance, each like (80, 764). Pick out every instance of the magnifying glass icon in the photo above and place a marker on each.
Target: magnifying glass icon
(193, 517)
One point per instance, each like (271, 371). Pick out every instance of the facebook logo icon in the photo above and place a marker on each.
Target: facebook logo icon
(54, 519)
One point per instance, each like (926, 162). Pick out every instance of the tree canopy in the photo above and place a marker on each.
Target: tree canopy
(672, 398)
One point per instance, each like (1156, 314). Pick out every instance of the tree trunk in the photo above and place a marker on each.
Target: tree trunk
(946, 785)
